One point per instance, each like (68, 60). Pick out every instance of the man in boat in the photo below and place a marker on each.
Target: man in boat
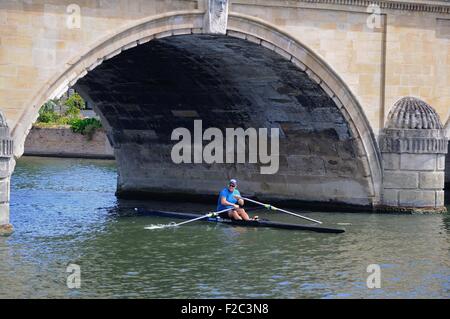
(227, 199)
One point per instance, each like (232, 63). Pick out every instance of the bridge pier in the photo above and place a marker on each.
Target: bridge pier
(413, 147)
(447, 160)
(6, 168)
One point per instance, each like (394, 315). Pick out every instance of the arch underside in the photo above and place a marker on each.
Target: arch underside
(146, 92)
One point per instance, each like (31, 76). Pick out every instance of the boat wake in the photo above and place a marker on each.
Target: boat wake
(160, 226)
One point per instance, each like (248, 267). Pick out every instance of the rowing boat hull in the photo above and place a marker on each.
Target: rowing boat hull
(243, 223)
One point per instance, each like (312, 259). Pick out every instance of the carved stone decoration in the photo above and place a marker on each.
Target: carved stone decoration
(6, 143)
(216, 16)
(413, 113)
(447, 128)
(413, 127)
(6, 167)
(413, 146)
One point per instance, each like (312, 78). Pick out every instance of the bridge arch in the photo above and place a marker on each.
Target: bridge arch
(239, 26)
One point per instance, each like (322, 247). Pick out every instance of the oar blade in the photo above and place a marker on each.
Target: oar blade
(268, 206)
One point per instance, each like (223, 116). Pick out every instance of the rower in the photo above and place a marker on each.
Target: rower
(227, 200)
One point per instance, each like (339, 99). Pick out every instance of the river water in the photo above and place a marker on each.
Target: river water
(65, 212)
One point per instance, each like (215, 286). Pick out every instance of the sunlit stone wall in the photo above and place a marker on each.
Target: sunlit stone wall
(414, 146)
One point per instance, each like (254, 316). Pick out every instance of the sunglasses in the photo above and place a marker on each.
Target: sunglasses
(231, 185)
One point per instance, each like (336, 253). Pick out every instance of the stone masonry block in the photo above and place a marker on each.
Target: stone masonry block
(236, 34)
(440, 196)
(253, 39)
(299, 64)
(268, 45)
(313, 76)
(4, 213)
(434, 180)
(440, 162)
(327, 89)
(390, 197)
(422, 162)
(417, 198)
(391, 161)
(283, 53)
(5, 167)
(398, 179)
(4, 190)
(337, 101)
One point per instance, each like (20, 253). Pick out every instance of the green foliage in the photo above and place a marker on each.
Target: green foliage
(47, 112)
(64, 120)
(49, 106)
(51, 112)
(74, 104)
(86, 126)
(48, 117)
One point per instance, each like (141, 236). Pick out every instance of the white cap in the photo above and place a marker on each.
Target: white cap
(233, 181)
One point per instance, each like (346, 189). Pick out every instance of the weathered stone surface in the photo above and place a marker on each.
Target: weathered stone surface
(417, 198)
(391, 161)
(4, 190)
(390, 197)
(6, 167)
(401, 180)
(440, 198)
(415, 138)
(306, 165)
(337, 36)
(4, 213)
(414, 141)
(411, 209)
(431, 180)
(227, 83)
(6, 229)
(420, 162)
(413, 113)
(63, 142)
(441, 162)
(216, 16)
(447, 169)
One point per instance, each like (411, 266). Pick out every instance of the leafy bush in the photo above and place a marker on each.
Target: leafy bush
(49, 106)
(51, 112)
(48, 117)
(47, 112)
(86, 126)
(74, 104)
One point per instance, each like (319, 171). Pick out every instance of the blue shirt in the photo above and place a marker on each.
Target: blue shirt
(228, 196)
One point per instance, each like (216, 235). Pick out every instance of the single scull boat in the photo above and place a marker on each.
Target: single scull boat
(250, 223)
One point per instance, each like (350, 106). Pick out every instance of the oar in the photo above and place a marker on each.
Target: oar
(268, 206)
(212, 214)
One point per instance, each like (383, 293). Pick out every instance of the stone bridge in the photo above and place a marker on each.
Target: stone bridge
(359, 90)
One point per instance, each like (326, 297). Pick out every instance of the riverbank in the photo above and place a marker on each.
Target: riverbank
(61, 141)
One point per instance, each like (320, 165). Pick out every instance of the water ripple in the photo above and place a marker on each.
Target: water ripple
(65, 211)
